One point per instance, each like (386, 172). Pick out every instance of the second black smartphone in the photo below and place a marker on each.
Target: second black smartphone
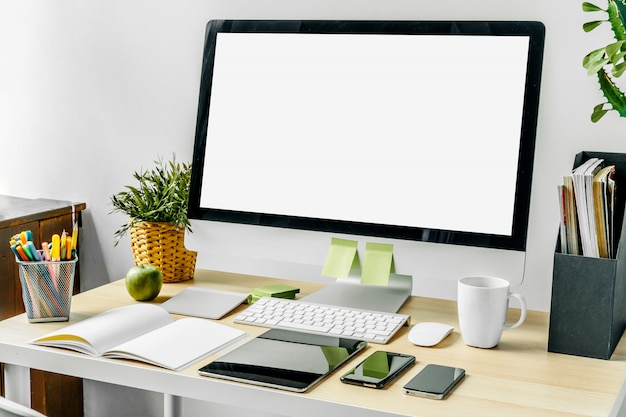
(434, 381)
(378, 369)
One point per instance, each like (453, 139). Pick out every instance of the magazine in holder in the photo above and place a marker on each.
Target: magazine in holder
(588, 309)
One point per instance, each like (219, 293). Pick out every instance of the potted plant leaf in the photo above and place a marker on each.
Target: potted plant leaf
(608, 63)
(157, 218)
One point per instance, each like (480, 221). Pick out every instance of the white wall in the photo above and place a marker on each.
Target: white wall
(104, 87)
(101, 87)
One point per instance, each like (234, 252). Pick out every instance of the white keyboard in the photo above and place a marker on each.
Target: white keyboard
(280, 313)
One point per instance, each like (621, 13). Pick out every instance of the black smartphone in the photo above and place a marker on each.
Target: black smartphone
(434, 381)
(378, 369)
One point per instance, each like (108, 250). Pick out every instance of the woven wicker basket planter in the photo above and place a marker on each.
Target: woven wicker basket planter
(163, 245)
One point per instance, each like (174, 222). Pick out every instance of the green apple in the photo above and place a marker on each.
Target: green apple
(144, 282)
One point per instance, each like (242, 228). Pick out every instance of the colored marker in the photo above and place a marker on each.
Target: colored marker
(63, 249)
(56, 248)
(28, 253)
(75, 235)
(33, 250)
(46, 251)
(21, 252)
(68, 248)
(21, 256)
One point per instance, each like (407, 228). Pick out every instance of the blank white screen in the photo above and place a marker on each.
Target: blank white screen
(419, 131)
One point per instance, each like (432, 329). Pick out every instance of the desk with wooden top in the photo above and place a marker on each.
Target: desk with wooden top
(517, 378)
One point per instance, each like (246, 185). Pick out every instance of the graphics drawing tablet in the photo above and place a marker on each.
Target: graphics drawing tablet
(284, 359)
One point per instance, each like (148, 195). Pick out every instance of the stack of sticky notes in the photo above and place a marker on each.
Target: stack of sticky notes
(273, 290)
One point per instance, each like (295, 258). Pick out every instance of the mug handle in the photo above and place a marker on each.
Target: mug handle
(522, 317)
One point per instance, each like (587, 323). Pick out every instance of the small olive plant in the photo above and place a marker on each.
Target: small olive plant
(161, 195)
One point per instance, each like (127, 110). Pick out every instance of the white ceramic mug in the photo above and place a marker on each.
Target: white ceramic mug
(483, 304)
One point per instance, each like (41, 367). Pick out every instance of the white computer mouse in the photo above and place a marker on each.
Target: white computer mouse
(429, 333)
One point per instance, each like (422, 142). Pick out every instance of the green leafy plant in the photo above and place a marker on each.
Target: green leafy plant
(161, 195)
(608, 58)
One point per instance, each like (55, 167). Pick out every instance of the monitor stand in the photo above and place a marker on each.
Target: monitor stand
(349, 292)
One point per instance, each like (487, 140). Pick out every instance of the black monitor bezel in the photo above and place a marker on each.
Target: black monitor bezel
(517, 241)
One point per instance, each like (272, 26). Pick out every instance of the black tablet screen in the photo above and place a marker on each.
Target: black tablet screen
(284, 359)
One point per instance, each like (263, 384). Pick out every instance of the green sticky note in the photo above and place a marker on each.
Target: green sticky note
(334, 355)
(272, 290)
(377, 264)
(342, 257)
(376, 365)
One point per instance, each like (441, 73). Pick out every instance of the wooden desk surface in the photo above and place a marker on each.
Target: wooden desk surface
(517, 378)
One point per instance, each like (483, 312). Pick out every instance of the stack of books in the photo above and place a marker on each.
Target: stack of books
(587, 201)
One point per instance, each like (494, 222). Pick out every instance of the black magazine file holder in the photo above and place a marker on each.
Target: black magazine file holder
(588, 311)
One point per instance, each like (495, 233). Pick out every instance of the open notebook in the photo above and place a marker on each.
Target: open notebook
(143, 332)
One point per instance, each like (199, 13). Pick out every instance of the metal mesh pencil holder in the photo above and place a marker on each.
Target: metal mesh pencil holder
(47, 289)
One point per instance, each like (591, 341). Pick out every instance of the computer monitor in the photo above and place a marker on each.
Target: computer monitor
(419, 131)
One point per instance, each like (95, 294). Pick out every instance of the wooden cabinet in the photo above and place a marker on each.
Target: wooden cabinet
(52, 394)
